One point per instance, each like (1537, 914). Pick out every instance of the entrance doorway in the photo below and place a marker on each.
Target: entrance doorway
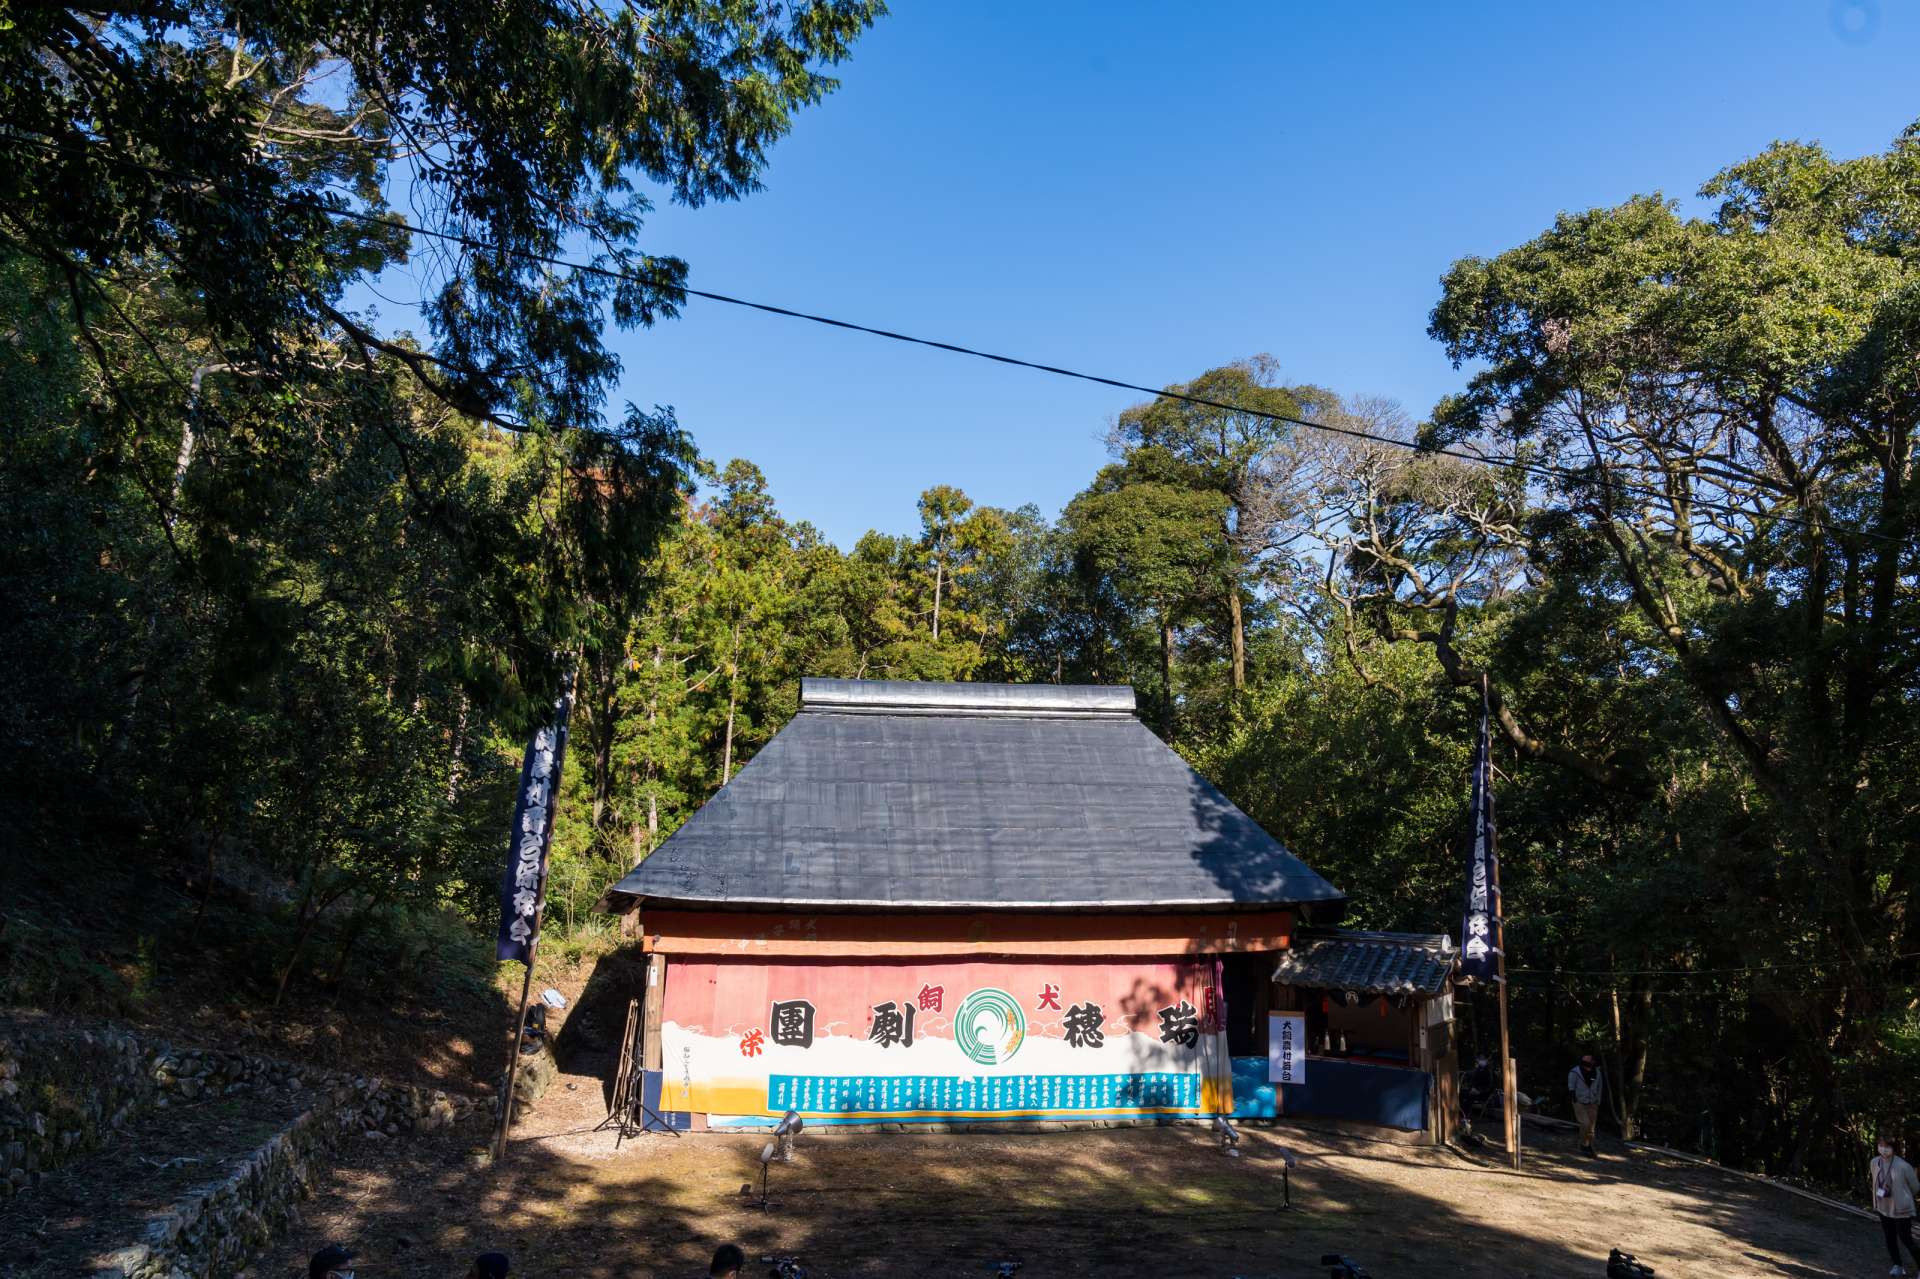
(1248, 982)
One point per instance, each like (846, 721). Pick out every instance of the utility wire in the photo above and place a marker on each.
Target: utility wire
(330, 208)
(1683, 992)
(1676, 972)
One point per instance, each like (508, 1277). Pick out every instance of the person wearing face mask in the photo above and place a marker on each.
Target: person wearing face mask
(1894, 1186)
(1587, 1085)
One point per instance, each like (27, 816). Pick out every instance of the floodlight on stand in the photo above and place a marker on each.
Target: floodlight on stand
(1287, 1160)
(780, 1149)
(1229, 1136)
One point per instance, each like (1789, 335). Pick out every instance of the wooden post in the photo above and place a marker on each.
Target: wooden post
(519, 1030)
(1509, 1069)
(650, 1057)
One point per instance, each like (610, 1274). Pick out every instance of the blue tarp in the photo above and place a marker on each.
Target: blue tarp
(1393, 1096)
(650, 1081)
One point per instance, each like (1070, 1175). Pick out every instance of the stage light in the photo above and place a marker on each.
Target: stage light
(780, 1149)
(1229, 1136)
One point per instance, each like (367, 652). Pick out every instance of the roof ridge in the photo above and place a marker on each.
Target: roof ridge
(927, 697)
(1430, 941)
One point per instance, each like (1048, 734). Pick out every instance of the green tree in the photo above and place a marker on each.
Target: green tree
(1159, 546)
(957, 539)
(311, 581)
(1722, 413)
(1236, 445)
(207, 143)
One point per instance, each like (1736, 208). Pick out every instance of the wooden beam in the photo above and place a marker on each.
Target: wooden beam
(974, 934)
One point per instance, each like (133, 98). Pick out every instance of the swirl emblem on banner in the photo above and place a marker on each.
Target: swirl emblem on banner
(989, 1026)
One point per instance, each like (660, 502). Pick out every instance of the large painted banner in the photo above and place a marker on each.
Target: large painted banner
(855, 1042)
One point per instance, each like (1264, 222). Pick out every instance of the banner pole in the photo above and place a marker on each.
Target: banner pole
(1509, 1069)
(539, 916)
(519, 1038)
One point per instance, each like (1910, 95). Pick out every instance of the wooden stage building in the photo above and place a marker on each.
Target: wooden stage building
(964, 903)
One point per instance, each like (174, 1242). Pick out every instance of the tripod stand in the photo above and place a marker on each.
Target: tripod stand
(630, 1114)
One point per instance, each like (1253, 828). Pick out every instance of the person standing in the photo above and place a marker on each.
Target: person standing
(1894, 1187)
(1588, 1086)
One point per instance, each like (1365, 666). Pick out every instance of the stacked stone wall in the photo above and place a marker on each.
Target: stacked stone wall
(65, 1092)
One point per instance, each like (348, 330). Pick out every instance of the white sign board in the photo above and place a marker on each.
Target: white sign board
(1287, 1048)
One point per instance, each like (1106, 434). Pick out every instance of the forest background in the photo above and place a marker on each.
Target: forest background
(284, 593)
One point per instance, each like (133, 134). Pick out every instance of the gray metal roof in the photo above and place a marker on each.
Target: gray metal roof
(889, 794)
(1370, 963)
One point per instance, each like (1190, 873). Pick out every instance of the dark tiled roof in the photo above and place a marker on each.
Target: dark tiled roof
(889, 794)
(1370, 963)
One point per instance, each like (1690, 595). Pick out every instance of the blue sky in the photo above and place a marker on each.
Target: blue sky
(1147, 190)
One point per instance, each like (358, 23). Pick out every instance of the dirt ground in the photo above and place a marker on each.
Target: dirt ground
(1158, 1201)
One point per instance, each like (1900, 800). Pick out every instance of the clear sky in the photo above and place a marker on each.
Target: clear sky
(1145, 190)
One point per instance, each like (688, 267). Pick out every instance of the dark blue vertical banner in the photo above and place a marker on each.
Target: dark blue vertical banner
(1481, 931)
(523, 885)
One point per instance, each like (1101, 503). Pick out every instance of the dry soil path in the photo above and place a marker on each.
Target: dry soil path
(1135, 1201)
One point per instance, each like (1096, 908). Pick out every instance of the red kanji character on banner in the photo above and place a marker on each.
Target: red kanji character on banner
(930, 998)
(751, 1043)
(1049, 998)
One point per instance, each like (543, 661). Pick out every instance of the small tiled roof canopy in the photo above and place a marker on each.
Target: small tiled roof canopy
(1369, 963)
(889, 794)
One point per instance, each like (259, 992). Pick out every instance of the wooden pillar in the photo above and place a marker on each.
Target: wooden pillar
(650, 1009)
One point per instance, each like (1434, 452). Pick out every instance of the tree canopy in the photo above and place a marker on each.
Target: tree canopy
(284, 587)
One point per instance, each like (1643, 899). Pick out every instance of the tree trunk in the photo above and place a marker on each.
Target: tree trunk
(307, 923)
(1616, 1095)
(1630, 1028)
(1166, 678)
(136, 684)
(206, 889)
(1238, 640)
(459, 745)
(726, 757)
(939, 580)
(733, 692)
(603, 729)
(355, 929)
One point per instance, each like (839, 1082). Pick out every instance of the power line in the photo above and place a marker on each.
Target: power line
(327, 208)
(1677, 972)
(1683, 992)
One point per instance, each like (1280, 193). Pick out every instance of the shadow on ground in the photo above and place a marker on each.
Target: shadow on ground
(1140, 1201)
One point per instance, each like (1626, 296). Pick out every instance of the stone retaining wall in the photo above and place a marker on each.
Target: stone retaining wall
(64, 1091)
(217, 1228)
(61, 1096)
